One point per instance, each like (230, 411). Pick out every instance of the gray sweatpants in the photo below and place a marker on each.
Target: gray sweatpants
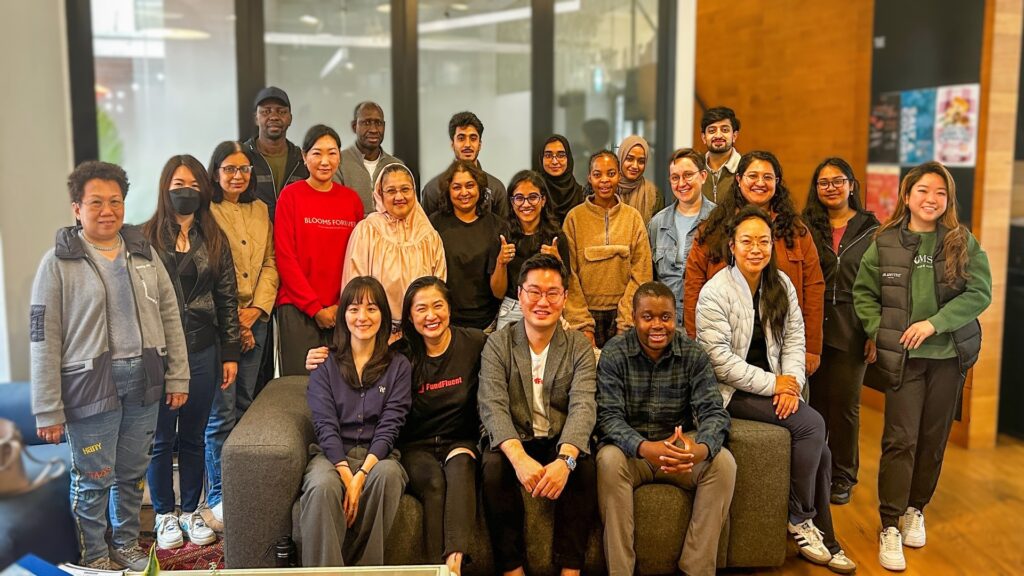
(712, 482)
(326, 540)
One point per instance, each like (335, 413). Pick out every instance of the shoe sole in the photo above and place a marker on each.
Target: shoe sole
(914, 543)
(814, 560)
(839, 500)
(839, 570)
(893, 567)
(203, 541)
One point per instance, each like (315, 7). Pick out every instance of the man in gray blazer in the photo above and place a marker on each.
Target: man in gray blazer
(363, 161)
(537, 405)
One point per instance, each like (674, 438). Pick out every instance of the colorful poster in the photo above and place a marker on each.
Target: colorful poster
(884, 129)
(956, 125)
(917, 126)
(882, 190)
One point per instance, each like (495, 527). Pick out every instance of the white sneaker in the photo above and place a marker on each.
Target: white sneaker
(218, 512)
(912, 528)
(808, 540)
(168, 534)
(890, 550)
(840, 564)
(195, 527)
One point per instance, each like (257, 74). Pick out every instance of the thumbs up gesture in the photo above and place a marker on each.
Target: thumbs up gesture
(507, 251)
(551, 249)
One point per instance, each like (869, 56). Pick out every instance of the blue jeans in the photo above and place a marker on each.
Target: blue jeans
(509, 312)
(228, 407)
(186, 424)
(109, 456)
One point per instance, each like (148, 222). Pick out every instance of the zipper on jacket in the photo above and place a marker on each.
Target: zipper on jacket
(607, 235)
(839, 260)
(135, 298)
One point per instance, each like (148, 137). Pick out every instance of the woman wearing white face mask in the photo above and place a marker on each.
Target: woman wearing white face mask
(198, 259)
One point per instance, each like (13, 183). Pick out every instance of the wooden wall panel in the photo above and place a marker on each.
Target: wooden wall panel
(798, 75)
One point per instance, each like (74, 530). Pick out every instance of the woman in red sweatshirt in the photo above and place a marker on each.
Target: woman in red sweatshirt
(314, 220)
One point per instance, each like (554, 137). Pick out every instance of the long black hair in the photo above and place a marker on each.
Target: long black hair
(362, 289)
(786, 226)
(220, 154)
(774, 300)
(415, 348)
(547, 227)
(815, 214)
(444, 182)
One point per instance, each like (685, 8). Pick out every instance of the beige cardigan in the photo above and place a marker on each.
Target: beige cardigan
(610, 257)
(251, 237)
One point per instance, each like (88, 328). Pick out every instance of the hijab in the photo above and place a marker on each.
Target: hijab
(639, 193)
(410, 228)
(564, 192)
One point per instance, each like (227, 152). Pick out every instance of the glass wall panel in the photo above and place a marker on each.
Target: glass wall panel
(165, 85)
(606, 75)
(475, 56)
(329, 55)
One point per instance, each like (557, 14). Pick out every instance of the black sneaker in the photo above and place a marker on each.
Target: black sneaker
(840, 494)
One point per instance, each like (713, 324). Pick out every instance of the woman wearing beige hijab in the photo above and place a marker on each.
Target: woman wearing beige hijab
(634, 189)
(396, 244)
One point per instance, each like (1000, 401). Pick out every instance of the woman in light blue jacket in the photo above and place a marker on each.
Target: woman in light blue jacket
(749, 323)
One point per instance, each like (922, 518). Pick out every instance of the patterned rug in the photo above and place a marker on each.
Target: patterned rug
(189, 556)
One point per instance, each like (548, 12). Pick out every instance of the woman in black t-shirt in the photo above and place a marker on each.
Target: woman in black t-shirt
(533, 230)
(438, 443)
(475, 246)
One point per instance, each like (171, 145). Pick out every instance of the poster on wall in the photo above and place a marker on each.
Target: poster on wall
(956, 125)
(881, 190)
(884, 129)
(917, 126)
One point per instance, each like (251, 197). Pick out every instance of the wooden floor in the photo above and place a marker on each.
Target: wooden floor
(975, 522)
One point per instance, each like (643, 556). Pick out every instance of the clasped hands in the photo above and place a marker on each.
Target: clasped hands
(676, 454)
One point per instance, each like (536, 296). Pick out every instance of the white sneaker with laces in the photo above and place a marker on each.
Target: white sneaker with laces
(890, 550)
(168, 533)
(840, 564)
(912, 528)
(195, 527)
(808, 540)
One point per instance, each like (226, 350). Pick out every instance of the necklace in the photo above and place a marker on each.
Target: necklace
(105, 248)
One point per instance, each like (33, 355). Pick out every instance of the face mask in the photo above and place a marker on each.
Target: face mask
(185, 200)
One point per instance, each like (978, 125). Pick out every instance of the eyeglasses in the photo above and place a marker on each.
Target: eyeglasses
(532, 199)
(548, 155)
(685, 176)
(553, 295)
(748, 244)
(836, 183)
(371, 123)
(392, 191)
(271, 110)
(98, 205)
(752, 178)
(232, 170)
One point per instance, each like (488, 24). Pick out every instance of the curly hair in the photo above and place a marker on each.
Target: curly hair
(786, 223)
(95, 170)
(444, 183)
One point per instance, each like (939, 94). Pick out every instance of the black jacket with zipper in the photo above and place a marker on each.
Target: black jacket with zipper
(266, 188)
(842, 328)
(210, 311)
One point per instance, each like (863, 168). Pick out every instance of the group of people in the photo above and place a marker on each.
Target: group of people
(573, 340)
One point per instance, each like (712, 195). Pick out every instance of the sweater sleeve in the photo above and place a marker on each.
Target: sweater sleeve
(46, 333)
(265, 293)
(177, 378)
(324, 413)
(975, 298)
(867, 292)
(813, 306)
(694, 278)
(293, 280)
(396, 408)
(640, 271)
(577, 313)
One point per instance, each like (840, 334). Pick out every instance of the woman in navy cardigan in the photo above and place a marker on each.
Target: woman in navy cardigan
(359, 399)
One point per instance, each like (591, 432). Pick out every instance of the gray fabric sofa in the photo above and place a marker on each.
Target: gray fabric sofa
(265, 456)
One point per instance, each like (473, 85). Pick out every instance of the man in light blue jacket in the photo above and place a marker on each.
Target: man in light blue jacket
(671, 230)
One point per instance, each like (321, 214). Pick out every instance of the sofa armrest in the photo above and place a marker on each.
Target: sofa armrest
(263, 462)
(757, 519)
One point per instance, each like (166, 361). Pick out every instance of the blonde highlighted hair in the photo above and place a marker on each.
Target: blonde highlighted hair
(955, 242)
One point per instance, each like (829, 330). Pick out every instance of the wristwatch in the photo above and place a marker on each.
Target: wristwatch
(569, 461)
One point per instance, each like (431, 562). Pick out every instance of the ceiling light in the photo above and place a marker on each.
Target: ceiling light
(459, 6)
(384, 8)
(308, 19)
(174, 34)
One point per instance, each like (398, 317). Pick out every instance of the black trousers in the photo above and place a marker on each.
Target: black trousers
(918, 418)
(447, 489)
(835, 394)
(298, 333)
(810, 463)
(605, 327)
(503, 506)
